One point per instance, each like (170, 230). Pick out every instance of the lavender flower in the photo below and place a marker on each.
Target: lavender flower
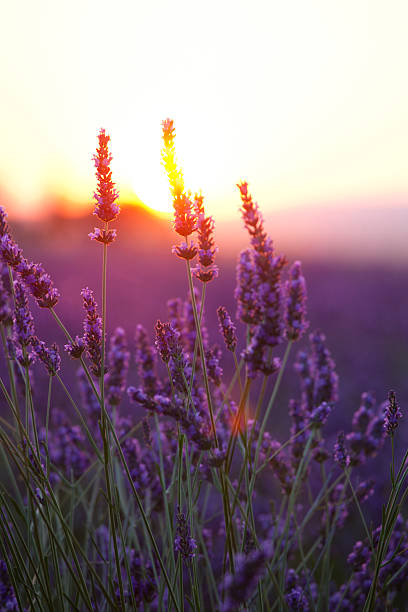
(248, 570)
(320, 414)
(147, 432)
(75, 348)
(23, 326)
(340, 454)
(359, 556)
(252, 217)
(214, 370)
(227, 328)
(10, 252)
(185, 221)
(49, 356)
(248, 307)
(39, 283)
(207, 270)
(281, 466)
(185, 251)
(295, 315)
(368, 433)
(102, 235)
(325, 377)
(183, 542)
(66, 444)
(92, 331)
(392, 414)
(118, 359)
(6, 317)
(106, 208)
(296, 600)
(3, 222)
(168, 344)
(266, 285)
(195, 425)
(8, 600)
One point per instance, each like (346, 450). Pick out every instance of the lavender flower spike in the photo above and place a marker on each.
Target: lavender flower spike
(49, 356)
(207, 270)
(227, 328)
(92, 331)
(392, 414)
(168, 345)
(183, 542)
(295, 315)
(106, 208)
(340, 454)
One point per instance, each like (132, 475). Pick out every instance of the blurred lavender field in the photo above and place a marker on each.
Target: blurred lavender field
(360, 306)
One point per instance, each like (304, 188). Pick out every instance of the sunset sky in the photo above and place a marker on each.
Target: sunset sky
(307, 100)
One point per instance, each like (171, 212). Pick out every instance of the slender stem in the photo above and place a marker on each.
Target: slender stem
(106, 435)
(202, 354)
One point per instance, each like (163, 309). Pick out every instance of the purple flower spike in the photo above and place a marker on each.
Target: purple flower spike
(106, 208)
(8, 597)
(168, 344)
(227, 328)
(326, 379)
(340, 454)
(49, 356)
(23, 319)
(320, 414)
(118, 359)
(392, 414)
(248, 570)
(75, 348)
(39, 283)
(295, 315)
(252, 217)
(248, 306)
(207, 270)
(296, 600)
(92, 331)
(10, 251)
(183, 542)
(3, 222)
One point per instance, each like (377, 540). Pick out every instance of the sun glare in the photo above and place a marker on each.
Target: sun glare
(153, 195)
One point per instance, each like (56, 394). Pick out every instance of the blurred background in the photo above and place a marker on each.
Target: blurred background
(305, 101)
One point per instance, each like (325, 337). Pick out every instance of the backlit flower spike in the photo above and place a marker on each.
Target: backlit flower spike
(207, 270)
(185, 217)
(252, 217)
(106, 207)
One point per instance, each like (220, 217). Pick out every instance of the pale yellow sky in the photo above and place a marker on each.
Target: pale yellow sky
(305, 99)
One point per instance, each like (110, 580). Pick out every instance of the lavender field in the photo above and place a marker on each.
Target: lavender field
(248, 457)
